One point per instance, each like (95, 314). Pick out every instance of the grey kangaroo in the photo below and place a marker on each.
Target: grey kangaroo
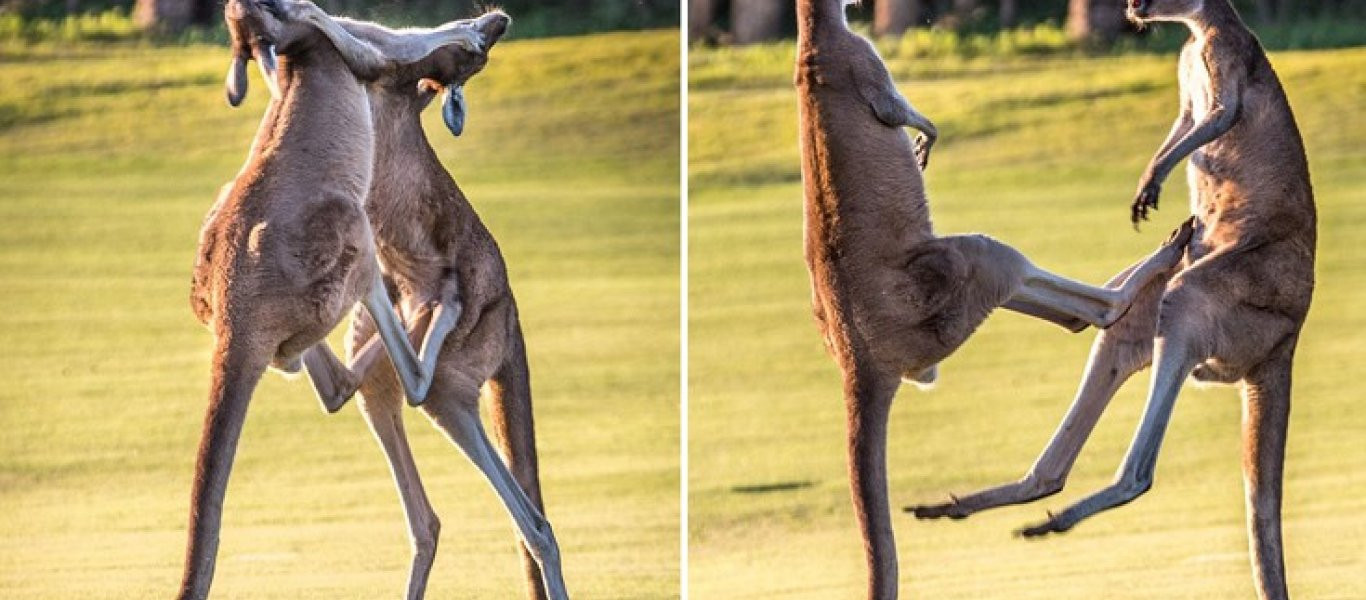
(286, 250)
(449, 278)
(891, 298)
(1231, 312)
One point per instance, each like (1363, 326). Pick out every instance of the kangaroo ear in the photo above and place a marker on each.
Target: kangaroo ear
(265, 60)
(453, 109)
(236, 83)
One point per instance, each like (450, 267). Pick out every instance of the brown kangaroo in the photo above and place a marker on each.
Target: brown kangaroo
(1231, 312)
(286, 250)
(891, 298)
(447, 271)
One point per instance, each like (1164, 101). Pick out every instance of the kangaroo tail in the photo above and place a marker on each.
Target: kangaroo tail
(234, 378)
(515, 431)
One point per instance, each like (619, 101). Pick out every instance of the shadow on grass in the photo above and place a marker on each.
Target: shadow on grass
(766, 488)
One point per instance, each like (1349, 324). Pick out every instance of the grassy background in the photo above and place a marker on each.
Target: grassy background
(109, 158)
(1043, 153)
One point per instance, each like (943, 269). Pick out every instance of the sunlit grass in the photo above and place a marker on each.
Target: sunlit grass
(1043, 153)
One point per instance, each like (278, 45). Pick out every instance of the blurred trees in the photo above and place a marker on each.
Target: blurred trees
(758, 20)
(1090, 22)
(532, 17)
(894, 18)
(1096, 22)
(174, 15)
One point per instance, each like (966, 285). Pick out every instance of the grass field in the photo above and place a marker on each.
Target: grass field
(109, 158)
(1044, 154)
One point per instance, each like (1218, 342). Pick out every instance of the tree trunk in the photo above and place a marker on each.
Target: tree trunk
(894, 17)
(1010, 13)
(701, 13)
(756, 20)
(1095, 22)
(173, 16)
(167, 16)
(959, 14)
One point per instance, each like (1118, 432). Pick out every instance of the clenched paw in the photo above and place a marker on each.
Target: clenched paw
(923, 143)
(1182, 235)
(472, 42)
(1146, 200)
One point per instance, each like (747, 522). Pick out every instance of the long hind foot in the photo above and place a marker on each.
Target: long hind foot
(1017, 492)
(334, 383)
(1117, 494)
(1167, 256)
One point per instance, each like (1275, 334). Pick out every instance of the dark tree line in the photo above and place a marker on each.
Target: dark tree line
(532, 17)
(1087, 21)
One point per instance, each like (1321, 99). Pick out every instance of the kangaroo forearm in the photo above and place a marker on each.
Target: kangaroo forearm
(908, 116)
(1180, 129)
(360, 56)
(1217, 123)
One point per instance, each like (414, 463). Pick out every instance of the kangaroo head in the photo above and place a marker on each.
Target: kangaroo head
(252, 29)
(427, 61)
(259, 29)
(449, 67)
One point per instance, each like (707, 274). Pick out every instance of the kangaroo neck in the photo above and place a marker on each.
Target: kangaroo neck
(399, 137)
(320, 117)
(322, 107)
(1217, 16)
(818, 21)
(410, 183)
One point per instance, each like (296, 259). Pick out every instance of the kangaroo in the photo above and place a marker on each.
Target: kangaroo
(891, 298)
(286, 249)
(447, 272)
(1231, 312)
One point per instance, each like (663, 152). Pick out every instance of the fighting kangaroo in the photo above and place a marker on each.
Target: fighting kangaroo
(1231, 312)
(891, 298)
(448, 272)
(286, 250)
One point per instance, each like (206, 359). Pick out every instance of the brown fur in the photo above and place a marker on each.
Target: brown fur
(286, 250)
(281, 260)
(891, 298)
(1231, 312)
(434, 249)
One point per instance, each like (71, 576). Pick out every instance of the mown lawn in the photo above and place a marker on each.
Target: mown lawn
(1043, 153)
(109, 158)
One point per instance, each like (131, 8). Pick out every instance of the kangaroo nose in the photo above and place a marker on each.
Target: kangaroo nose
(493, 25)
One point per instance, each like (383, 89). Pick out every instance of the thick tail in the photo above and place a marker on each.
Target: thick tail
(234, 377)
(1266, 414)
(515, 431)
(869, 402)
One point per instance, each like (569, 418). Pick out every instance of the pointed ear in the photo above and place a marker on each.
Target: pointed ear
(236, 83)
(453, 110)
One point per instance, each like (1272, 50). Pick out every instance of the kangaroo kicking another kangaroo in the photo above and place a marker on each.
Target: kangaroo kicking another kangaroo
(448, 273)
(286, 250)
(891, 298)
(1231, 312)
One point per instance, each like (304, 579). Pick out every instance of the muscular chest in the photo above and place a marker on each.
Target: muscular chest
(1196, 81)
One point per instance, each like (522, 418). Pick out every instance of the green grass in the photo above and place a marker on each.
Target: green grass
(109, 158)
(1044, 154)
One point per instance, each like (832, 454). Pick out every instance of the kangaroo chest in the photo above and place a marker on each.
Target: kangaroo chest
(1196, 79)
(1197, 85)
